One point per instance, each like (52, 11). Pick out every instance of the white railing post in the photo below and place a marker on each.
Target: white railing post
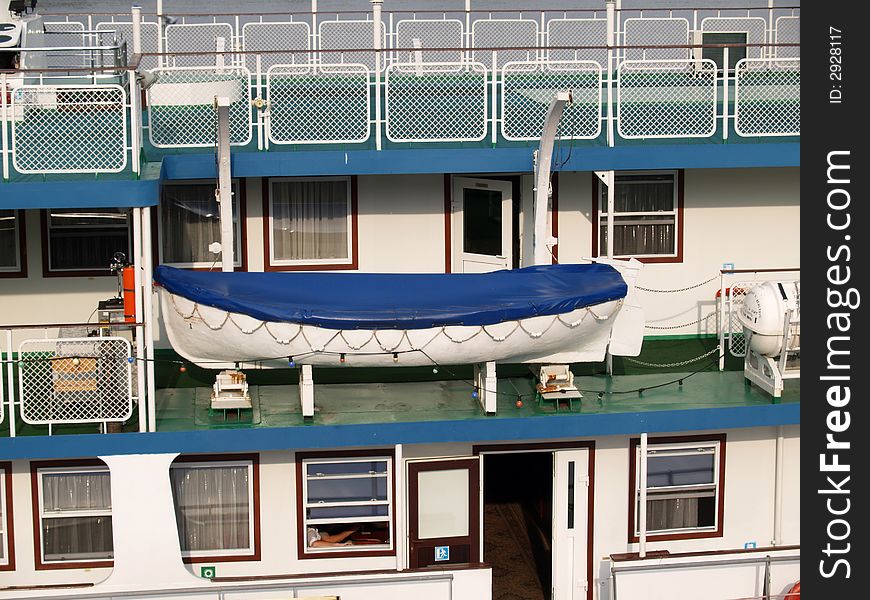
(141, 365)
(725, 78)
(314, 42)
(722, 303)
(135, 113)
(4, 119)
(225, 188)
(376, 29)
(611, 33)
(641, 510)
(494, 93)
(10, 386)
(467, 41)
(160, 33)
(611, 204)
(148, 313)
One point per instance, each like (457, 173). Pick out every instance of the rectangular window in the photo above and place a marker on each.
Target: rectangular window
(684, 490)
(311, 223)
(645, 218)
(347, 505)
(75, 515)
(83, 241)
(7, 561)
(11, 243)
(215, 508)
(717, 55)
(190, 222)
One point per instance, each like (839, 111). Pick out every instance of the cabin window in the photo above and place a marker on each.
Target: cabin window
(736, 52)
(684, 486)
(646, 219)
(311, 223)
(6, 560)
(83, 241)
(347, 505)
(216, 507)
(11, 243)
(75, 516)
(190, 222)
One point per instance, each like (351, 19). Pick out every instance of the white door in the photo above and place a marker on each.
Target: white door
(570, 519)
(482, 225)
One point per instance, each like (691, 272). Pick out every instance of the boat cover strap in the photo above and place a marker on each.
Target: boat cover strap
(399, 301)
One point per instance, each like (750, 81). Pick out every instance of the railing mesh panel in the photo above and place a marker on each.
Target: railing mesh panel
(69, 129)
(432, 34)
(76, 380)
(350, 35)
(656, 32)
(578, 32)
(276, 36)
(327, 103)
(767, 97)
(675, 99)
(199, 37)
(504, 33)
(124, 31)
(181, 109)
(528, 88)
(440, 104)
(788, 31)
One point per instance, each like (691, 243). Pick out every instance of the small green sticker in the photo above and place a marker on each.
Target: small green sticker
(207, 572)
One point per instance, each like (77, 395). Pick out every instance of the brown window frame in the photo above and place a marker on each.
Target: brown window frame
(35, 467)
(353, 246)
(21, 234)
(335, 456)
(254, 459)
(634, 451)
(8, 533)
(238, 184)
(679, 210)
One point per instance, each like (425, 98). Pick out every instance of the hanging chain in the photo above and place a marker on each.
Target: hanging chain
(691, 287)
(673, 364)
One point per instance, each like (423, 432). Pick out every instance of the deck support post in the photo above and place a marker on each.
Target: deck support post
(486, 386)
(306, 390)
(541, 241)
(642, 485)
(225, 188)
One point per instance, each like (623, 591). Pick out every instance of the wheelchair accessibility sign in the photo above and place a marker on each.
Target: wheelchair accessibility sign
(442, 553)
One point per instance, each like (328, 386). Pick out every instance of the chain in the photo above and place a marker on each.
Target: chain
(695, 322)
(674, 364)
(691, 287)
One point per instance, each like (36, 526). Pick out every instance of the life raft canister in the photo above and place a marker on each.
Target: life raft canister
(128, 279)
(795, 592)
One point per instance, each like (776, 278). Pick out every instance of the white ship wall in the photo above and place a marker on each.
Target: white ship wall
(748, 217)
(748, 514)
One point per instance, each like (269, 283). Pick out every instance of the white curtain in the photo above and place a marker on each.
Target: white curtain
(212, 507)
(674, 513)
(641, 234)
(309, 220)
(78, 537)
(190, 221)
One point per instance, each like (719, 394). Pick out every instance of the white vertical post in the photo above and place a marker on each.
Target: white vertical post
(376, 44)
(723, 303)
(160, 32)
(141, 365)
(494, 94)
(225, 188)
(314, 43)
(725, 78)
(611, 33)
(148, 313)
(220, 46)
(777, 491)
(399, 503)
(306, 390)
(611, 204)
(641, 510)
(543, 162)
(136, 15)
(10, 386)
(4, 118)
(418, 57)
(467, 37)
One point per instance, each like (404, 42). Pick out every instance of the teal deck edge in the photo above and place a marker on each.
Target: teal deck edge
(569, 426)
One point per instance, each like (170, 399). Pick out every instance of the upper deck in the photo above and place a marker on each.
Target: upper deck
(435, 91)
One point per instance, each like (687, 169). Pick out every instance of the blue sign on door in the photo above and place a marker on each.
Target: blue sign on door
(442, 553)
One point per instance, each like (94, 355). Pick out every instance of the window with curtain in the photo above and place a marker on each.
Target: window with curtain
(86, 240)
(214, 507)
(644, 216)
(347, 495)
(190, 221)
(75, 514)
(10, 247)
(683, 488)
(310, 221)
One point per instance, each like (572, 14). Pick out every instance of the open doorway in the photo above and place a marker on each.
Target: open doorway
(517, 524)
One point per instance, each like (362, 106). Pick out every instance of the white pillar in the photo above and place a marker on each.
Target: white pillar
(777, 488)
(399, 501)
(611, 38)
(148, 313)
(10, 372)
(486, 382)
(136, 14)
(543, 162)
(306, 390)
(145, 542)
(376, 44)
(641, 510)
(141, 365)
(225, 188)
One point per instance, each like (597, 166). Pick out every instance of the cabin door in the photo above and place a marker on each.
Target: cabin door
(482, 224)
(443, 512)
(570, 524)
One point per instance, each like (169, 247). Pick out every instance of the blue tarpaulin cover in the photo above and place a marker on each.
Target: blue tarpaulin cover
(399, 301)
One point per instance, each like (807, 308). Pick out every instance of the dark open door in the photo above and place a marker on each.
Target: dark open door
(444, 512)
